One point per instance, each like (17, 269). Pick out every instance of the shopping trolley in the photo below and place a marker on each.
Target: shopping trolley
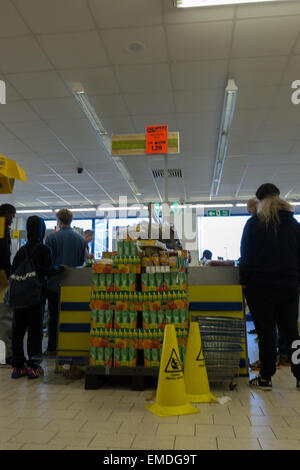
(222, 347)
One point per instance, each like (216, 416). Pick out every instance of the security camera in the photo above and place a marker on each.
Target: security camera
(79, 170)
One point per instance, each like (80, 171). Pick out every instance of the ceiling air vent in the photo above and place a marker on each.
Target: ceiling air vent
(172, 173)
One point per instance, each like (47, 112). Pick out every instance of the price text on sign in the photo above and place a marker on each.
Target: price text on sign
(156, 139)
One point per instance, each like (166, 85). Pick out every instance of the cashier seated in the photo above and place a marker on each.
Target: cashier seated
(206, 258)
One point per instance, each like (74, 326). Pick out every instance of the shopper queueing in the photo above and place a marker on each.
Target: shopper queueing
(206, 257)
(270, 272)
(68, 248)
(29, 318)
(8, 212)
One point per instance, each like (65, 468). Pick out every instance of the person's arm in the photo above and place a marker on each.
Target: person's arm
(5, 252)
(82, 253)
(246, 252)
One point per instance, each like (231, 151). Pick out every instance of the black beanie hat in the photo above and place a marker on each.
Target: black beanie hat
(266, 190)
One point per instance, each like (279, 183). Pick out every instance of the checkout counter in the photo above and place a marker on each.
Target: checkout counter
(213, 291)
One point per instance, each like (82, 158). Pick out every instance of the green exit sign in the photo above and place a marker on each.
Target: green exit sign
(218, 213)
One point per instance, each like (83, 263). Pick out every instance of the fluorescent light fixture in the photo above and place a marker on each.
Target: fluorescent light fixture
(227, 115)
(217, 205)
(35, 211)
(132, 208)
(241, 205)
(211, 3)
(92, 116)
(294, 203)
(80, 209)
(127, 176)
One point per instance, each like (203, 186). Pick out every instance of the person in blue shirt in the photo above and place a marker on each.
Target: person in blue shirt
(68, 249)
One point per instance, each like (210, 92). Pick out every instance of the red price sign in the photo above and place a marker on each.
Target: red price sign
(157, 139)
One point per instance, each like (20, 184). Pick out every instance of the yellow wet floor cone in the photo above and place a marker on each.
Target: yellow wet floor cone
(171, 399)
(195, 374)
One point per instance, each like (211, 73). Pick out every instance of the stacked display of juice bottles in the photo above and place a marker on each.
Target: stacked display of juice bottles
(129, 311)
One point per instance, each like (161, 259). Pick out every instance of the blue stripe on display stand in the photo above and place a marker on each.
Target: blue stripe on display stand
(75, 327)
(75, 306)
(216, 306)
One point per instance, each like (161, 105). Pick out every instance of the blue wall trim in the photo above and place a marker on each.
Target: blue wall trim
(216, 306)
(75, 306)
(75, 327)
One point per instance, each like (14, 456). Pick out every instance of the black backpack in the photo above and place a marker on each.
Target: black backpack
(25, 287)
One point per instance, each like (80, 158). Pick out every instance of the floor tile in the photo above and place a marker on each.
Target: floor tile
(155, 443)
(176, 429)
(238, 444)
(253, 432)
(33, 437)
(138, 428)
(195, 443)
(123, 441)
(57, 425)
(33, 424)
(42, 447)
(267, 421)
(73, 438)
(7, 434)
(109, 427)
(199, 418)
(286, 432)
(240, 419)
(214, 430)
(282, 444)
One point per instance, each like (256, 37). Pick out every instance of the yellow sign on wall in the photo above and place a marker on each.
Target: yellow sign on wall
(16, 234)
(2, 227)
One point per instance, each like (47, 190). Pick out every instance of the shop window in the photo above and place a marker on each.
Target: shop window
(100, 238)
(221, 235)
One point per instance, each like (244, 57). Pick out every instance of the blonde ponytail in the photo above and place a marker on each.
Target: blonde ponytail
(268, 210)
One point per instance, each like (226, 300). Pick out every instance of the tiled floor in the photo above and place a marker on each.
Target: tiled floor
(56, 413)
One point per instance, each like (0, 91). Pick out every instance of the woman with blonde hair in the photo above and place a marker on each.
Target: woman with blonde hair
(270, 271)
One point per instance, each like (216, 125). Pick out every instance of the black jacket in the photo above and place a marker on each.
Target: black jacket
(271, 258)
(41, 254)
(5, 252)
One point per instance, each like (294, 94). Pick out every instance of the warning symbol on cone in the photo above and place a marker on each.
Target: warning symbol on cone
(200, 358)
(174, 364)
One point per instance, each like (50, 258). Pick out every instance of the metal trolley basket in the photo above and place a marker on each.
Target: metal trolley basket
(222, 347)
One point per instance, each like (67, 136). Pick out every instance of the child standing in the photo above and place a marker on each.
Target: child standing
(30, 318)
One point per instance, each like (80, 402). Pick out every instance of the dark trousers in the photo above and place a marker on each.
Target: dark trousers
(26, 319)
(270, 307)
(53, 308)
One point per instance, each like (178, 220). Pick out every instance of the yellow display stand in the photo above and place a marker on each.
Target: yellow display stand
(9, 171)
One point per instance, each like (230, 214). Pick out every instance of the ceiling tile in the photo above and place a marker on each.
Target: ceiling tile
(58, 108)
(117, 13)
(196, 75)
(292, 70)
(150, 103)
(55, 16)
(200, 100)
(11, 23)
(265, 36)
(74, 49)
(17, 111)
(12, 146)
(5, 134)
(95, 81)
(139, 78)
(44, 146)
(22, 54)
(108, 105)
(258, 97)
(30, 130)
(153, 38)
(198, 36)
(38, 85)
(77, 127)
(274, 9)
(80, 142)
(119, 125)
(257, 71)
